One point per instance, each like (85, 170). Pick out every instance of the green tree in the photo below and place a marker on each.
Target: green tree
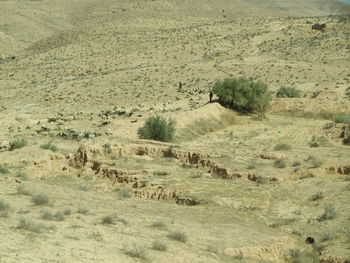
(243, 95)
(157, 128)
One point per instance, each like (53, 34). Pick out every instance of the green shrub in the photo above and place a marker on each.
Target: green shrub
(296, 163)
(4, 169)
(280, 163)
(124, 193)
(29, 225)
(329, 213)
(343, 118)
(137, 252)
(243, 95)
(317, 196)
(305, 176)
(282, 147)
(49, 146)
(297, 256)
(83, 210)
(158, 128)
(158, 224)
(4, 208)
(17, 144)
(288, 92)
(178, 236)
(108, 220)
(46, 215)
(40, 199)
(157, 245)
(21, 190)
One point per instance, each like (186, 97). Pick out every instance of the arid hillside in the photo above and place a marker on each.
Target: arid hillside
(78, 79)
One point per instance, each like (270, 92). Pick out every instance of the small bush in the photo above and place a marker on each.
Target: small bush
(124, 193)
(108, 220)
(327, 237)
(296, 163)
(46, 215)
(157, 245)
(329, 213)
(67, 212)
(280, 163)
(4, 169)
(178, 236)
(288, 92)
(315, 162)
(243, 94)
(318, 141)
(4, 208)
(40, 199)
(31, 226)
(158, 224)
(158, 128)
(282, 147)
(49, 146)
(306, 176)
(317, 196)
(297, 256)
(107, 149)
(83, 210)
(17, 144)
(21, 190)
(343, 118)
(137, 252)
(22, 175)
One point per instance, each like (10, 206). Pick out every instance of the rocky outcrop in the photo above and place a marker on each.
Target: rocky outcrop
(157, 192)
(339, 170)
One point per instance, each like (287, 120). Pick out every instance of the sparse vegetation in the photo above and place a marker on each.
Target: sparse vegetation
(124, 193)
(296, 163)
(107, 149)
(306, 176)
(297, 256)
(158, 224)
(157, 245)
(46, 215)
(243, 95)
(29, 225)
(22, 175)
(21, 190)
(280, 163)
(315, 162)
(49, 146)
(108, 220)
(4, 208)
(83, 210)
(158, 128)
(282, 147)
(17, 144)
(4, 169)
(178, 236)
(317, 196)
(288, 92)
(343, 118)
(318, 141)
(40, 199)
(329, 213)
(137, 251)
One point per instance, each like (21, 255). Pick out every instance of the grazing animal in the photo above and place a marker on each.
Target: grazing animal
(210, 96)
(310, 240)
(319, 27)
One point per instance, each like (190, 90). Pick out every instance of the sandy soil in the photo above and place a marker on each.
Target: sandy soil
(84, 75)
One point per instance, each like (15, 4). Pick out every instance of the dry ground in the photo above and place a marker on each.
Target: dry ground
(91, 73)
